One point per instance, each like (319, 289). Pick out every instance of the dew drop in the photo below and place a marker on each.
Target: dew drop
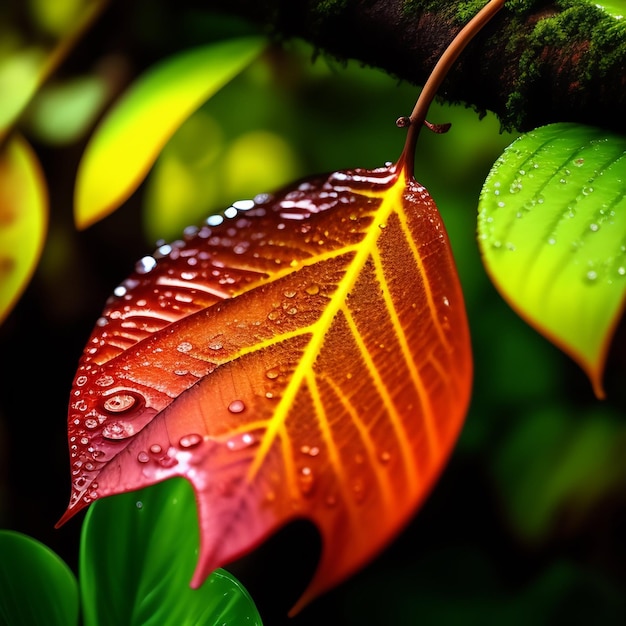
(621, 270)
(516, 186)
(145, 265)
(215, 346)
(594, 228)
(384, 457)
(243, 205)
(164, 249)
(184, 347)
(167, 461)
(358, 488)
(91, 422)
(289, 294)
(591, 276)
(241, 442)
(587, 191)
(155, 448)
(310, 450)
(118, 430)
(139, 504)
(105, 381)
(190, 441)
(214, 220)
(306, 481)
(120, 402)
(313, 289)
(272, 373)
(143, 457)
(236, 406)
(579, 162)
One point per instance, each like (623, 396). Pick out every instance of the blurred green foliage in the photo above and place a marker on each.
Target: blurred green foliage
(527, 521)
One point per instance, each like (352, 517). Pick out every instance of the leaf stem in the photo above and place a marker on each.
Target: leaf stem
(417, 119)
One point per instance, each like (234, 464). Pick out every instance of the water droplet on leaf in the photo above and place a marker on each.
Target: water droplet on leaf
(241, 442)
(118, 430)
(190, 441)
(306, 481)
(120, 402)
(145, 265)
(236, 406)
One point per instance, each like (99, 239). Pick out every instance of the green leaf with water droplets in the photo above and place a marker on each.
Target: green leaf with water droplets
(138, 553)
(552, 232)
(36, 586)
(131, 136)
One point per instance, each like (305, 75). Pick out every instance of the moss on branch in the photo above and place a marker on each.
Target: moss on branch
(538, 61)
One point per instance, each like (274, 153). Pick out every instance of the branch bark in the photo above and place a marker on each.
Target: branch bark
(537, 62)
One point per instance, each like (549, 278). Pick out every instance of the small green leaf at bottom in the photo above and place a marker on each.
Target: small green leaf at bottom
(552, 232)
(138, 554)
(37, 588)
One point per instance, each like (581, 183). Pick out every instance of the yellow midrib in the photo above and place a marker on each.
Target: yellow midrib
(319, 328)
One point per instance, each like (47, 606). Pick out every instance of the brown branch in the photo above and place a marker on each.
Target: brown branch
(538, 62)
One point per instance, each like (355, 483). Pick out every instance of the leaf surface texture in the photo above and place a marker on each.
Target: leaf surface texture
(552, 230)
(304, 355)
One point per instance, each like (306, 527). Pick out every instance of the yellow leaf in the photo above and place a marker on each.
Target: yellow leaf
(130, 138)
(23, 219)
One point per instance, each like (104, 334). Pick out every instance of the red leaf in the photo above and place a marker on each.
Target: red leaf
(305, 355)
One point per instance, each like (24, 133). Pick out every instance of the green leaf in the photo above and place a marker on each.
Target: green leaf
(616, 8)
(21, 73)
(138, 554)
(129, 139)
(552, 231)
(36, 587)
(23, 219)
